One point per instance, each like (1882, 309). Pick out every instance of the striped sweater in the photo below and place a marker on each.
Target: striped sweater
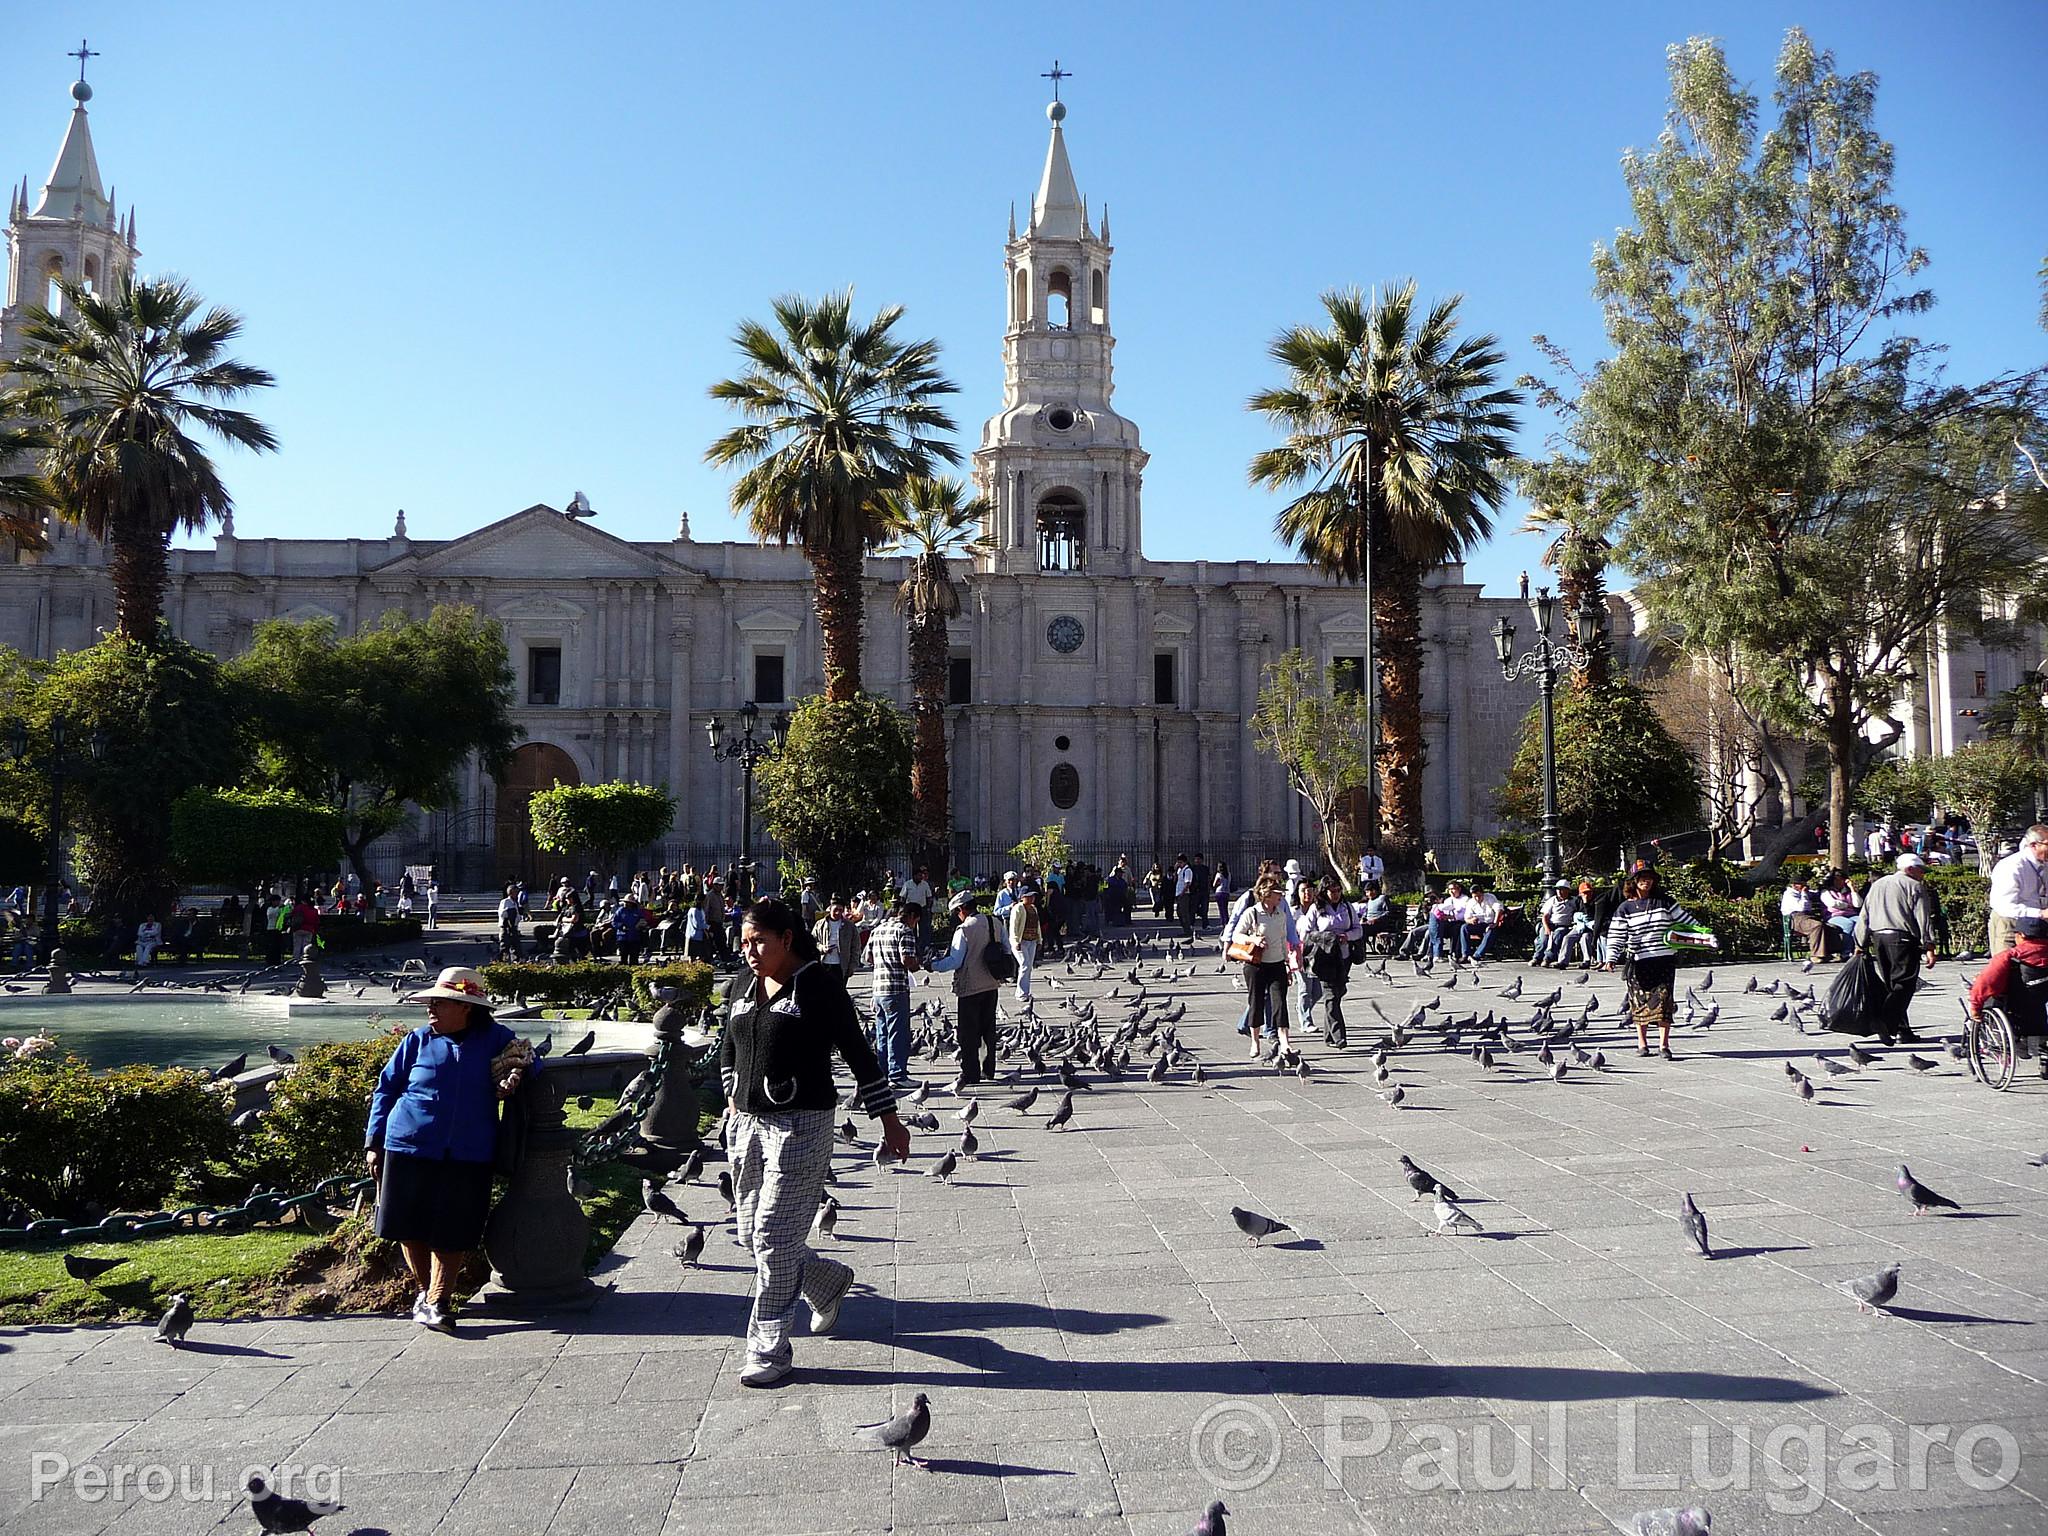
(1641, 928)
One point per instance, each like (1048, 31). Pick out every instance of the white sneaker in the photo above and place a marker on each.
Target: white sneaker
(764, 1373)
(419, 1307)
(824, 1319)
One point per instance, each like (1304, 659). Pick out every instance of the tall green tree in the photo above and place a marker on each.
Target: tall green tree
(1805, 491)
(375, 722)
(1395, 431)
(836, 794)
(1621, 776)
(1993, 783)
(930, 520)
(121, 387)
(24, 493)
(836, 412)
(167, 722)
(1315, 729)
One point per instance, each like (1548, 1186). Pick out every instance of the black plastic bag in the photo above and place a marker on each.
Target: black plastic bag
(1854, 998)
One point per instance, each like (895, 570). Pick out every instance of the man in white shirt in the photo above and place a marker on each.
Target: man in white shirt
(1371, 867)
(1483, 917)
(1879, 844)
(918, 892)
(2019, 886)
(1183, 895)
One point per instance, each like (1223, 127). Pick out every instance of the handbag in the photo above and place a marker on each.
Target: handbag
(998, 961)
(1250, 951)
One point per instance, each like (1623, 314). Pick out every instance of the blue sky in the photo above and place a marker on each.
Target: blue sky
(495, 252)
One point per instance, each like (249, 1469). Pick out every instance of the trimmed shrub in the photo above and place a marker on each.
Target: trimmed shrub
(580, 984)
(75, 1142)
(313, 1129)
(691, 979)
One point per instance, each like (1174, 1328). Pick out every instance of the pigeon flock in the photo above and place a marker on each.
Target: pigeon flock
(1107, 1020)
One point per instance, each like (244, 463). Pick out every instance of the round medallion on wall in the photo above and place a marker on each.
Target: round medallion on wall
(1065, 786)
(1065, 634)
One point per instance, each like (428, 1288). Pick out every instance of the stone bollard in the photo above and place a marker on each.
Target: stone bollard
(537, 1234)
(310, 984)
(60, 973)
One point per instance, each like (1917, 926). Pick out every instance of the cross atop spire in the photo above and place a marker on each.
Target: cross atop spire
(1055, 75)
(86, 51)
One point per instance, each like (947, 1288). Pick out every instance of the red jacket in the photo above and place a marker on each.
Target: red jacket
(1996, 979)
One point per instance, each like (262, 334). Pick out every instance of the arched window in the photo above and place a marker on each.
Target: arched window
(1020, 301)
(1062, 531)
(1059, 299)
(1098, 298)
(53, 274)
(92, 274)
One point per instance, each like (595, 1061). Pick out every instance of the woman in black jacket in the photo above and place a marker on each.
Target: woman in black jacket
(775, 1061)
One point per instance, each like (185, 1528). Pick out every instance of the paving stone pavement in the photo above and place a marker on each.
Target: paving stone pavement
(1105, 1352)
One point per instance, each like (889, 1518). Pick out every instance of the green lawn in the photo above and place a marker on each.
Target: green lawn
(247, 1273)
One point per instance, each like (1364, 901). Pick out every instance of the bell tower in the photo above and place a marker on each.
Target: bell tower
(1060, 468)
(71, 230)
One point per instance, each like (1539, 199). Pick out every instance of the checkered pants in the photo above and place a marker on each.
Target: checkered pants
(779, 1164)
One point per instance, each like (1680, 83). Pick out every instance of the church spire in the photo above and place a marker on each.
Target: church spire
(1057, 212)
(74, 190)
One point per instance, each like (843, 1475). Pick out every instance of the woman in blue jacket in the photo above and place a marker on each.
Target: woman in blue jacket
(433, 1127)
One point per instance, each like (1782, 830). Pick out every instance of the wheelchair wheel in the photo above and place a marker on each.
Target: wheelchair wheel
(1993, 1052)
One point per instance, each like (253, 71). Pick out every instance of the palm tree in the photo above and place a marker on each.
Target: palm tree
(24, 494)
(1397, 430)
(929, 519)
(1565, 507)
(836, 413)
(114, 382)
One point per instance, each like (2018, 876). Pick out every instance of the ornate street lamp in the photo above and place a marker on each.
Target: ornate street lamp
(1546, 660)
(57, 763)
(749, 748)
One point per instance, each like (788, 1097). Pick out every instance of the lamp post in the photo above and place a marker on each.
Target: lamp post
(1545, 660)
(748, 747)
(56, 761)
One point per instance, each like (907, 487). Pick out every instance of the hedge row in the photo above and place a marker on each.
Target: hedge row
(584, 983)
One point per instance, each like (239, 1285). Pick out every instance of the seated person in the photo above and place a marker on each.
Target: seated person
(1433, 920)
(2017, 980)
(1482, 919)
(1554, 924)
(1375, 912)
(149, 935)
(178, 934)
(572, 938)
(1840, 905)
(1801, 909)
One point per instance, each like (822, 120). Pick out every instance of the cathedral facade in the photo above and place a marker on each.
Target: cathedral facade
(1088, 684)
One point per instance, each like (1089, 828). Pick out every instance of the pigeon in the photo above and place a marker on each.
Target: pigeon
(1671, 1522)
(1806, 1089)
(1834, 1068)
(81, 1266)
(1557, 1070)
(969, 1146)
(943, 1170)
(692, 1166)
(1452, 1219)
(1860, 1056)
(691, 1248)
(274, 1512)
(1874, 1291)
(1920, 1063)
(1023, 1102)
(176, 1322)
(1211, 1523)
(1255, 1226)
(725, 1185)
(589, 1039)
(1394, 1099)
(900, 1433)
(1423, 1183)
(1694, 1220)
(657, 1202)
(1301, 1068)
(846, 1132)
(233, 1068)
(1923, 1198)
(966, 1115)
(918, 1120)
(828, 1217)
(1063, 1114)
(280, 1055)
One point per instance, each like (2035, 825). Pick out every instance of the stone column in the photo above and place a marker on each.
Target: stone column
(679, 743)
